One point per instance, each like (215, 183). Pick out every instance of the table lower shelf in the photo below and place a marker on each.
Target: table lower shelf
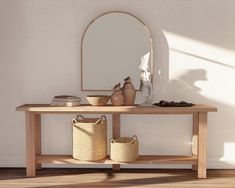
(143, 159)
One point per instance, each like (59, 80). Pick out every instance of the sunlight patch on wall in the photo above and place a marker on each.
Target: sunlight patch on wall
(201, 68)
(200, 49)
(229, 152)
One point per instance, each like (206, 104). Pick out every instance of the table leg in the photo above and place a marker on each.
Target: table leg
(37, 122)
(202, 144)
(116, 133)
(195, 139)
(30, 144)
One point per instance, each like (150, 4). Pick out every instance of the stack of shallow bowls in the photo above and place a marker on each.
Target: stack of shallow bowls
(65, 100)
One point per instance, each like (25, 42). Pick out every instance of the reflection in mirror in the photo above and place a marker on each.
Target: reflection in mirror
(112, 48)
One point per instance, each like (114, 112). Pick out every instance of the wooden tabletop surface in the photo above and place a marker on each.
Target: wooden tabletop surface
(47, 108)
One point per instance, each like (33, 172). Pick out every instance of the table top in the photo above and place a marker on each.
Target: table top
(136, 109)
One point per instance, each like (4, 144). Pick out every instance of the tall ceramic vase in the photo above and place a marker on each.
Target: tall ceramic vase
(129, 92)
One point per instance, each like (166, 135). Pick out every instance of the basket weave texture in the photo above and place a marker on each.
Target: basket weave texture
(89, 138)
(124, 149)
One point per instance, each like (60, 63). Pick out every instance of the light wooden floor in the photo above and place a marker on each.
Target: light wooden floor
(58, 178)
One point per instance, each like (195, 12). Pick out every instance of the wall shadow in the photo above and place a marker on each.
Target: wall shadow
(185, 88)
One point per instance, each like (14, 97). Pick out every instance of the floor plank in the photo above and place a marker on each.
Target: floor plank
(58, 178)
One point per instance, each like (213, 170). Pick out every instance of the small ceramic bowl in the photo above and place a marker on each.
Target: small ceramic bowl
(97, 100)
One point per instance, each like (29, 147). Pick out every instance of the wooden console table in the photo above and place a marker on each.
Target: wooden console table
(34, 157)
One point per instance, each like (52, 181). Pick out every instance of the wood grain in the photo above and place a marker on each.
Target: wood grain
(37, 122)
(141, 178)
(116, 133)
(143, 159)
(30, 145)
(46, 108)
(202, 144)
(195, 138)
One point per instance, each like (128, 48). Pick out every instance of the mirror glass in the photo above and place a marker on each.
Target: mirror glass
(112, 47)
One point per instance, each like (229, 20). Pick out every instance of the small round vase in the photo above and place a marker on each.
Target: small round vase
(117, 98)
(129, 92)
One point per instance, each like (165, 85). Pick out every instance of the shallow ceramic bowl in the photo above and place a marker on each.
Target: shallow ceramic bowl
(97, 100)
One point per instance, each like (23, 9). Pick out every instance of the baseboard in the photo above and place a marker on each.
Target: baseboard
(212, 163)
(12, 162)
(217, 163)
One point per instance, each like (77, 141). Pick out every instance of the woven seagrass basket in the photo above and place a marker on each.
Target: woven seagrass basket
(89, 138)
(124, 149)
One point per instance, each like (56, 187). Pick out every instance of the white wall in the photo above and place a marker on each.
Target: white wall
(194, 57)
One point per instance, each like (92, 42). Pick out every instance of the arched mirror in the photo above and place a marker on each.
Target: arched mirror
(113, 46)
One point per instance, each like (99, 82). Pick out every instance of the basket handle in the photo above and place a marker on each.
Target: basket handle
(101, 119)
(75, 120)
(80, 116)
(134, 139)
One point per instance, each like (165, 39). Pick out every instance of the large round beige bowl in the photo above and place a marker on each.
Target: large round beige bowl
(97, 100)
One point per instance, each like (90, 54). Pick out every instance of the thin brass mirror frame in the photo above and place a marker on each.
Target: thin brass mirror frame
(122, 12)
